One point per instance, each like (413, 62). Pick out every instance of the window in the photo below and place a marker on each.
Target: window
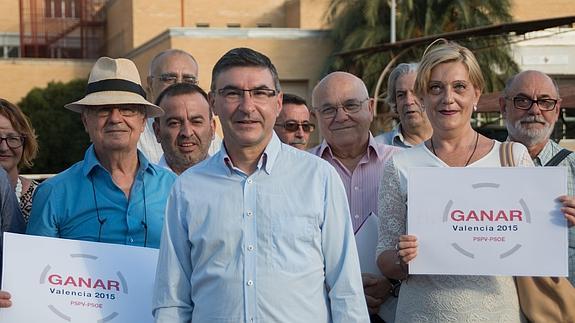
(62, 8)
(264, 25)
(234, 25)
(202, 25)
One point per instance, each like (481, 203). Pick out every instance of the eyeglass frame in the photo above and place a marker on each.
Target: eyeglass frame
(512, 99)
(299, 125)
(172, 78)
(270, 93)
(21, 137)
(340, 106)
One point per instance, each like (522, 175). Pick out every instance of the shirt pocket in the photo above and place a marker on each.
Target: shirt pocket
(294, 234)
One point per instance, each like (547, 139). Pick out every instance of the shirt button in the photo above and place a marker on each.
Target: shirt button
(356, 216)
(250, 181)
(356, 188)
(250, 213)
(250, 248)
(250, 282)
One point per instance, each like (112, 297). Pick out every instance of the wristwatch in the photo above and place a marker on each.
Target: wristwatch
(395, 286)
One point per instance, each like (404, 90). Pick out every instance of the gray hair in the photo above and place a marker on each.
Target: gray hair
(399, 70)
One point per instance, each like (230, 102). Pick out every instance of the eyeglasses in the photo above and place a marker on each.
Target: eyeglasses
(125, 111)
(13, 141)
(350, 106)
(234, 95)
(525, 103)
(293, 126)
(170, 78)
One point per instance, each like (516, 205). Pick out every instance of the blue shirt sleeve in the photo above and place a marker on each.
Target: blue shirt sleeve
(172, 290)
(42, 216)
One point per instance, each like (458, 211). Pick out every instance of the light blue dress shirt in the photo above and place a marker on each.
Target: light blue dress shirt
(393, 138)
(274, 246)
(550, 149)
(68, 205)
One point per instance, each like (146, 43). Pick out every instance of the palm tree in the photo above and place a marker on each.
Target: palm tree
(364, 23)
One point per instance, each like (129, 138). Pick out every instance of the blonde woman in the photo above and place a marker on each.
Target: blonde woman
(450, 82)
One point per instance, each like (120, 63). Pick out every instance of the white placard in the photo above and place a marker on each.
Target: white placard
(366, 241)
(60, 280)
(488, 221)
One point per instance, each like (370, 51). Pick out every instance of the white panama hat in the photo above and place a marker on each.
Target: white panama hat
(112, 82)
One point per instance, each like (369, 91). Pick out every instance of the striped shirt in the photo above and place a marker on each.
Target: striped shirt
(361, 184)
(550, 149)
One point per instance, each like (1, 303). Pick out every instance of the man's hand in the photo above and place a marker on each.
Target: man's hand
(5, 299)
(376, 291)
(568, 208)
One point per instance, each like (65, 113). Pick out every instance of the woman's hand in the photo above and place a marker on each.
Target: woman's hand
(407, 248)
(568, 208)
(5, 299)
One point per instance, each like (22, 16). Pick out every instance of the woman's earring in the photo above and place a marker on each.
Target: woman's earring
(475, 107)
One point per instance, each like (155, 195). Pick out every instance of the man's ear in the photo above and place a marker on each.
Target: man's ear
(149, 86)
(213, 127)
(83, 117)
(502, 107)
(156, 127)
(280, 103)
(211, 101)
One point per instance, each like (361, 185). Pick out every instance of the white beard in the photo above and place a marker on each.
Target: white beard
(530, 137)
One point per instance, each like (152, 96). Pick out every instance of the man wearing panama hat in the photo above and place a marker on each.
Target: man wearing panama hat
(114, 195)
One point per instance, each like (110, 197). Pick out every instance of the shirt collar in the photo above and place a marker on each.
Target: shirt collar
(266, 161)
(91, 161)
(546, 153)
(396, 133)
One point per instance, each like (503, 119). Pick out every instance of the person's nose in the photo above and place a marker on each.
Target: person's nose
(299, 133)
(410, 98)
(115, 116)
(535, 109)
(4, 144)
(340, 115)
(448, 96)
(246, 103)
(186, 130)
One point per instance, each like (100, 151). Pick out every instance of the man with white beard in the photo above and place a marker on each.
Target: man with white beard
(530, 106)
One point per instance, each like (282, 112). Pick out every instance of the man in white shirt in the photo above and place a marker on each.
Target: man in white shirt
(168, 67)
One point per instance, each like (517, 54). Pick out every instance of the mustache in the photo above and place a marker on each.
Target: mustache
(191, 139)
(298, 142)
(533, 119)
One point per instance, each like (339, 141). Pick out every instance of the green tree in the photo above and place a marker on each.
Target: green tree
(365, 23)
(60, 132)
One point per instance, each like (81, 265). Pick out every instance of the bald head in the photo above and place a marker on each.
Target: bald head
(533, 78)
(169, 67)
(334, 81)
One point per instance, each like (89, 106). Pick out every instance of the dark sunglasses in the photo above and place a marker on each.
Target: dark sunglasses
(293, 126)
